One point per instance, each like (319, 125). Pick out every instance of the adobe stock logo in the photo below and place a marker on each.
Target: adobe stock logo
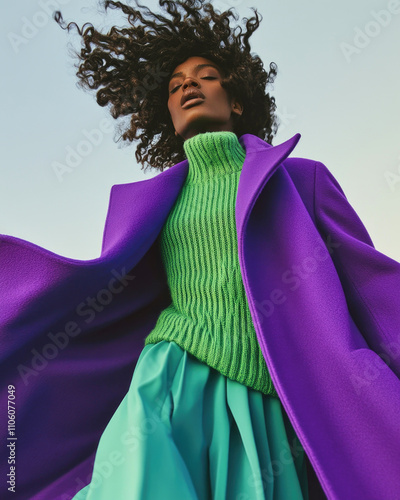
(293, 277)
(75, 154)
(363, 37)
(60, 339)
(393, 178)
(31, 27)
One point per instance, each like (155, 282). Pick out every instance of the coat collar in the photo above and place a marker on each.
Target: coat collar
(154, 197)
(260, 163)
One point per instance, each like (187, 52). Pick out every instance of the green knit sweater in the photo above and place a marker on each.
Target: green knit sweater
(209, 315)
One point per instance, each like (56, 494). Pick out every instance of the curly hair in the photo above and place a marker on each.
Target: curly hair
(132, 67)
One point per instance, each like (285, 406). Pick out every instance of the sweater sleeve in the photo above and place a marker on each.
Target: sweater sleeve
(370, 279)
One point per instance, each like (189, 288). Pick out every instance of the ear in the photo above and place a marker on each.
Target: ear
(237, 107)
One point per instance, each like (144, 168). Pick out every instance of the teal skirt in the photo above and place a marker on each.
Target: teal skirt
(186, 431)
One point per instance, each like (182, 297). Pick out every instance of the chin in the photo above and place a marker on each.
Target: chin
(205, 125)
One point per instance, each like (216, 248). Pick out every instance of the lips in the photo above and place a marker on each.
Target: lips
(191, 94)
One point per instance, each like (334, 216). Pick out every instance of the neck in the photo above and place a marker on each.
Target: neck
(212, 154)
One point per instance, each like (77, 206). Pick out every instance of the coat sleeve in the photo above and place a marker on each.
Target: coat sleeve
(370, 279)
(71, 333)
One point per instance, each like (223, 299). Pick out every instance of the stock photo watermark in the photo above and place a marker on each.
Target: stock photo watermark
(362, 37)
(275, 467)
(129, 441)
(291, 278)
(87, 309)
(372, 369)
(11, 439)
(294, 276)
(393, 178)
(93, 138)
(285, 118)
(75, 155)
(31, 27)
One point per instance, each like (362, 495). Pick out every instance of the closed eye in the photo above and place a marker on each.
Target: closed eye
(203, 78)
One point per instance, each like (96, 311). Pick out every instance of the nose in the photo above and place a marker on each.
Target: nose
(191, 81)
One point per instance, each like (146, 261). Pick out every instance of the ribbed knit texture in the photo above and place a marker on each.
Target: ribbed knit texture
(209, 315)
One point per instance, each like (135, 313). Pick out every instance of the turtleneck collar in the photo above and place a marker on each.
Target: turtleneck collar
(212, 154)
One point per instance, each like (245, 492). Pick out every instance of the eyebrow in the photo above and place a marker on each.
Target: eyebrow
(199, 66)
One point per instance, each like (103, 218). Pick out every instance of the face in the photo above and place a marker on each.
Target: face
(214, 111)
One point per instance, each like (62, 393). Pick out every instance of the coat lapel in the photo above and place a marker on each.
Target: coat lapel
(260, 163)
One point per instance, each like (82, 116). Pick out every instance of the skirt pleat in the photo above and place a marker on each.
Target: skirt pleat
(184, 430)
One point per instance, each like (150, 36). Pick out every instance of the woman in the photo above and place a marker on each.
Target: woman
(209, 375)
(215, 305)
(203, 122)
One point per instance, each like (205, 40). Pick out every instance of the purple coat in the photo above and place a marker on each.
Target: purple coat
(325, 305)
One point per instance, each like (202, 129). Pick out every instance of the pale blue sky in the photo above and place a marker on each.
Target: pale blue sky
(337, 85)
